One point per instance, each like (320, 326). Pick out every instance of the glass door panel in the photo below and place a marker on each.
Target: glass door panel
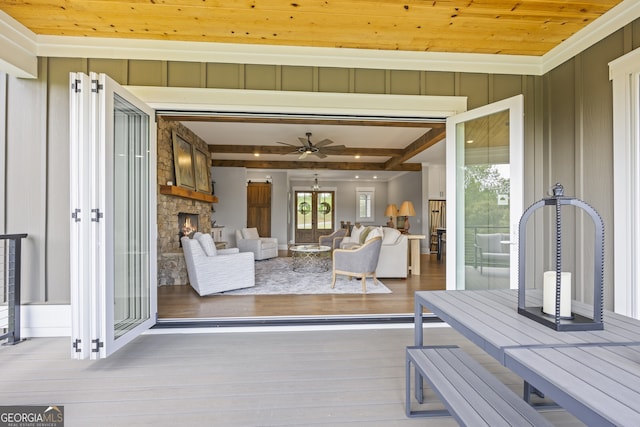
(130, 290)
(314, 215)
(485, 165)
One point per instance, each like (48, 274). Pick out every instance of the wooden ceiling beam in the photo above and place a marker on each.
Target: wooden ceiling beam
(258, 164)
(274, 149)
(419, 145)
(305, 120)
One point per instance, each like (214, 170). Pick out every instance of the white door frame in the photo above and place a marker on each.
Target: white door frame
(515, 106)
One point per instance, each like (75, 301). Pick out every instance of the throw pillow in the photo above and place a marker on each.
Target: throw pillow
(375, 232)
(355, 234)
(207, 243)
(250, 233)
(364, 234)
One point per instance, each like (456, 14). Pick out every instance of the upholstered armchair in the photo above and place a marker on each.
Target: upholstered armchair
(248, 240)
(360, 262)
(214, 270)
(334, 239)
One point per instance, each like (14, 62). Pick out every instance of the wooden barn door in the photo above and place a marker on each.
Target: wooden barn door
(259, 207)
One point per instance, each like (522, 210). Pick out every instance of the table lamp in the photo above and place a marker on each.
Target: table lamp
(406, 210)
(391, 211)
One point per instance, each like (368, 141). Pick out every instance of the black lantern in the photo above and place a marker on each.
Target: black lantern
(557, 314)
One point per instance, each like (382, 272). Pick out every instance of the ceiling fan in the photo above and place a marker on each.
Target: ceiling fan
(320, 149)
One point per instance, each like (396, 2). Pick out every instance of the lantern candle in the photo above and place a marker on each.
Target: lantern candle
(549, 294)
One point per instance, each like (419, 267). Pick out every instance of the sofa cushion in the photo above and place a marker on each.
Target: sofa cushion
(390, 236)
(207, 243)
(250, 233)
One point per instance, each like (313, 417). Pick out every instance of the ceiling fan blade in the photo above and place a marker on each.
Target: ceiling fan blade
(304, 155)
(305, 142)
(320, 154)
(324, 142)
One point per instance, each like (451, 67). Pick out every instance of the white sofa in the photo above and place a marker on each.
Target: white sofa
(214, 270)
(248, 240)
(394, 253)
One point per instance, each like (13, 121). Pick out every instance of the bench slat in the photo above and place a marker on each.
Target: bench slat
(472, 394)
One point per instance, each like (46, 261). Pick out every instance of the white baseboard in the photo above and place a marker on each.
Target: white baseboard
(45, 321)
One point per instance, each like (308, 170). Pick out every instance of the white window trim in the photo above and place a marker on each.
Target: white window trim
(625, 75)
(372, 192)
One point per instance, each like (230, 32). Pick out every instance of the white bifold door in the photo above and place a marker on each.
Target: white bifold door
(113, 216)
(485, 169)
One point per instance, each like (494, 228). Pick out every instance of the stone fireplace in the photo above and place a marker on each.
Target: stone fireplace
(187, 225)
(172, 268)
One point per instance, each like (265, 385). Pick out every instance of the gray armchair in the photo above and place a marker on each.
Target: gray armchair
(248, 240)
(360, 262)
(334, 239)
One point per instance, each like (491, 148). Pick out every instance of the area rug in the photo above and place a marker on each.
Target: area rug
(275, 277)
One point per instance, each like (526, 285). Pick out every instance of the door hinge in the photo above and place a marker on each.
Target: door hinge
(76, 215)
(76, 87)
(98, 345)
(76, 345)
(96, 86)
(98, 215)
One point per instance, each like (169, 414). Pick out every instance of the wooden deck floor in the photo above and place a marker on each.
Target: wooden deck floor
(184, 302)
(301, 378)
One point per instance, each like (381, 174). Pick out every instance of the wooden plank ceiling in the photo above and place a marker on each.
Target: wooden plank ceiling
(519, 27)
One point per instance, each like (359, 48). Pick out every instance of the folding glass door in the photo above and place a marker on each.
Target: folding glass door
(484, 195)
(113, 204)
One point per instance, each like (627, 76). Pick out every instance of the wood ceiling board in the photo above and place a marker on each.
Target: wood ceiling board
(527, 27)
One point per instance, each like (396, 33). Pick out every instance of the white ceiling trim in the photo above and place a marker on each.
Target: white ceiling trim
(290, 102)
(19, 48)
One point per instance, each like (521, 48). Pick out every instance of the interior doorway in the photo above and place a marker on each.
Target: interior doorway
(314, 215)
(259, 207)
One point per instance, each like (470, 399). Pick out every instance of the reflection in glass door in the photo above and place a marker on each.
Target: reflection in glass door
(314, 215)
(486, 146)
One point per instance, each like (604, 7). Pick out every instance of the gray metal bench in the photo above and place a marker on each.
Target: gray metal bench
(471, 394)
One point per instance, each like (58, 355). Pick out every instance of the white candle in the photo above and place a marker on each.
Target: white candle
(549, 293)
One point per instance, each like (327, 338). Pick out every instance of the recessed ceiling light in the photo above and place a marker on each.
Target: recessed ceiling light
(256, 154)
(357, 156)
(470, 141)
(357, 176)
(375, 176)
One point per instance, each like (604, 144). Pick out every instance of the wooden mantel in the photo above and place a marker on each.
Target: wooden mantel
(172, 190)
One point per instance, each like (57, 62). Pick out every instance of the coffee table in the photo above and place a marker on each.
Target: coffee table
(310, 258)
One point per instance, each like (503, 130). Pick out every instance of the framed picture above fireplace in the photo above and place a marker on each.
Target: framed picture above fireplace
(201, 164)
(183, 162)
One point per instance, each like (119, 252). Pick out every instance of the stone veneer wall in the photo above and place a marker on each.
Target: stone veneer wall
(172, 269)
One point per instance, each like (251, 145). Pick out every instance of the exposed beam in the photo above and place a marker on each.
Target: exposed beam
(257, 164)
(320, 120)
(419, 145)
(276, 149)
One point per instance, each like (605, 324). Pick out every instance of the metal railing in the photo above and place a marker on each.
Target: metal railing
(11, 251)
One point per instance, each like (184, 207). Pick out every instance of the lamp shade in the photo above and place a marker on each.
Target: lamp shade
(392, 210)
(406, 209)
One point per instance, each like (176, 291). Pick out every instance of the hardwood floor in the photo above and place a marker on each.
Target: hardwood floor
(177, 302)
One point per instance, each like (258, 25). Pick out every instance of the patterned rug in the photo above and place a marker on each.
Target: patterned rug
(275, 277)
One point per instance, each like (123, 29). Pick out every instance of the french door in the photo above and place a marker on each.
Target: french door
(113, 211)
(484, 195)
(315, 215)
